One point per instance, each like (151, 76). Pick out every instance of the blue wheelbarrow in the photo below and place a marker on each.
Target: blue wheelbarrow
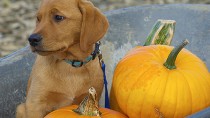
(129, 27)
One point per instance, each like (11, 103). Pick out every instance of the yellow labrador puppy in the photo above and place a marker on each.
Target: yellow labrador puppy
(65, 68)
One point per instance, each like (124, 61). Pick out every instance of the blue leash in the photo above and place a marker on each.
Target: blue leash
(107, 105)
(76, 63)
(103, 66)
(96, 52)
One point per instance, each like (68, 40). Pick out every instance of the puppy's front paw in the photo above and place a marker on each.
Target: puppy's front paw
(20, 111)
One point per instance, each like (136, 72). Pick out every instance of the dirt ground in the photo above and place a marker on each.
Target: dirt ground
(17, 18)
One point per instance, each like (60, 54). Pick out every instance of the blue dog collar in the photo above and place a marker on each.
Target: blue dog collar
(77, 63)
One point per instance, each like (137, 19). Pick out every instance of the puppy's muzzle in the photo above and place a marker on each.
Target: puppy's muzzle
(35, 39)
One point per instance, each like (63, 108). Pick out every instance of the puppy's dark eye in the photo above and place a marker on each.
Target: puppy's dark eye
(58, 18)
(37, 19)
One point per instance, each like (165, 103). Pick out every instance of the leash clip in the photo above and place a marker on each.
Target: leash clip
(97, 50)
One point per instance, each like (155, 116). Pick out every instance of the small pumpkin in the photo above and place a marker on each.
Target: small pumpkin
(152, 81)
(88, 108)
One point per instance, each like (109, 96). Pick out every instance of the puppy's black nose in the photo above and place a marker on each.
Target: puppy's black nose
(35, 39)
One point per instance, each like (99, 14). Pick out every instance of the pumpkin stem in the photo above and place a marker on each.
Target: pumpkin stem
(161, 33)
(89, 106)
(170, 62)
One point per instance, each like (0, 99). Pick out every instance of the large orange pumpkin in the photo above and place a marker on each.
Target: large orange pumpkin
(150, 83)
(88, 108)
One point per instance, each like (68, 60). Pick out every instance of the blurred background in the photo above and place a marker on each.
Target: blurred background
(17, 18)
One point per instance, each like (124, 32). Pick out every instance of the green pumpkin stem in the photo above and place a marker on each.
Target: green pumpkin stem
(170, 62)
(89, 106)
(161, 33)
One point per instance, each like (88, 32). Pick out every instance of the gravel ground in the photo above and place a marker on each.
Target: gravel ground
(17, 18)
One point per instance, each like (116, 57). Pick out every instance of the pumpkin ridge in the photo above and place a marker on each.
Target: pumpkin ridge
(201, 82)
(187, 67)
(206, 84)
(144, 98)
(118, 89)
(197, 83)
(118, 69)
(177, 95)
(155, 94)
(143, 74)
(175, 108)
(134, 86)
(187, 58)
(189, 55)
(186, 80)
(164, 91)
(119, 80)
(206, 91)
(189, 62)
(144, 95)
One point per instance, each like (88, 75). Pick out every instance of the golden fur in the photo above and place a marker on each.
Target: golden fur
(53, 83)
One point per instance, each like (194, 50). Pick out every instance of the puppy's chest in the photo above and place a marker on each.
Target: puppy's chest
(70, 77)
(67, 83)
(65, 77)
(67, 72)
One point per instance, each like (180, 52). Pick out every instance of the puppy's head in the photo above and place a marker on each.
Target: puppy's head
(64, 23)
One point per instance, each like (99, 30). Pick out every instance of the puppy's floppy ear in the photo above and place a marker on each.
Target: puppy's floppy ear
(94, 25)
